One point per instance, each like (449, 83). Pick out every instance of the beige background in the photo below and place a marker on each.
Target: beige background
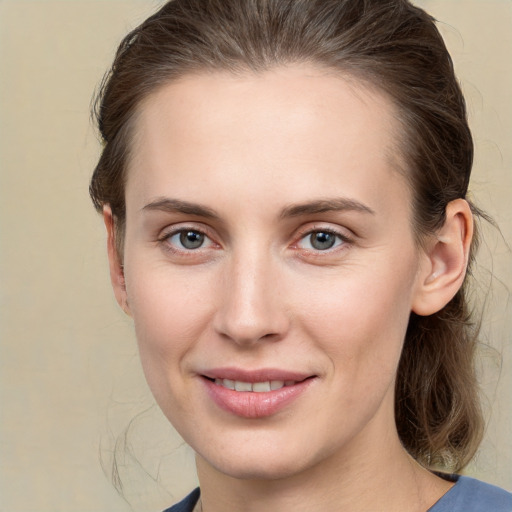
(70, 382)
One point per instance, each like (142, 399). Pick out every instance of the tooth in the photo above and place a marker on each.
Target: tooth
(258, 387)
(243, 386)
(261, 387)
(227, 383)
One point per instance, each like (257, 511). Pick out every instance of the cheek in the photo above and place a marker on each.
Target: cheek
(170, 315)
(361, 319)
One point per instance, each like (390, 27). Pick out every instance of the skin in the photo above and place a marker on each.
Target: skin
(249, 149)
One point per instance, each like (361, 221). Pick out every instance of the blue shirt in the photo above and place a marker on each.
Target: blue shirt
(467, 495)
(470, 495)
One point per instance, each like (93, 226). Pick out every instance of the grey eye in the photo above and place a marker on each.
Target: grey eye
(191, 239)
(321, 240)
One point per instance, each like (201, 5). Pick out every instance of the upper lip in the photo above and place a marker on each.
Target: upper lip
(258, 375)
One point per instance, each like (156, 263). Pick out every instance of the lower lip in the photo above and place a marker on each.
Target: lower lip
(250, 404)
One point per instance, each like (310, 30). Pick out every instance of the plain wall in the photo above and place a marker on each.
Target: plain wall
(70, 380)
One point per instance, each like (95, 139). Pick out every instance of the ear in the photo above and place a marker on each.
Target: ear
(115, 262)
(445, 260)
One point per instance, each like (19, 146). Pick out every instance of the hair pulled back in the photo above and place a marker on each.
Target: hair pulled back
(389, 45)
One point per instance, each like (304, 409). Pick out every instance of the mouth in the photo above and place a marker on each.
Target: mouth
(256, 394)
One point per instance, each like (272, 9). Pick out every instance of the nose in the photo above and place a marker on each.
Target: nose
(251, 307)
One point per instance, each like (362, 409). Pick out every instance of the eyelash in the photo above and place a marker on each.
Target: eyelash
(341, 240)
(165, 240)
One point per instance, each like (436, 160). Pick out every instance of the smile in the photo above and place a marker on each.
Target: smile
(255, 394)
(256, 387)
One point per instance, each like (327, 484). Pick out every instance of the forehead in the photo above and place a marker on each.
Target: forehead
(263, 132)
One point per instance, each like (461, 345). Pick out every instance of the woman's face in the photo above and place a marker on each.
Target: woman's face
(269, 249)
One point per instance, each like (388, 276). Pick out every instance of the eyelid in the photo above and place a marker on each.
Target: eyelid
(170, 231)
(308, 230)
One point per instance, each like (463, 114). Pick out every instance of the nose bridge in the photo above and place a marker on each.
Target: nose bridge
(251, 306)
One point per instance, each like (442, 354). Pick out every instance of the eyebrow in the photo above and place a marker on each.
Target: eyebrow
(338, 204)
(169, 205)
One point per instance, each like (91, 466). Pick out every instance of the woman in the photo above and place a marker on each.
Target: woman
(284, 187)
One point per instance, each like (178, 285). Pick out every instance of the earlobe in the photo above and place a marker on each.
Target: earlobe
(115, 262)
(445, 261)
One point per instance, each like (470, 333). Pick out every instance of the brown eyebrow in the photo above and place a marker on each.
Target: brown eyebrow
(295, 210)
(326, 205)
(177, 206)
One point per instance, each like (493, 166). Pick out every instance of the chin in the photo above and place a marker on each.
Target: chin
(257, 469)
(259, 462)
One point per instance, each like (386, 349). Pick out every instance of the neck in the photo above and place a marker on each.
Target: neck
(387, 479)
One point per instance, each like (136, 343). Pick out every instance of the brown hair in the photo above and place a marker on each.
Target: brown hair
(390, 45)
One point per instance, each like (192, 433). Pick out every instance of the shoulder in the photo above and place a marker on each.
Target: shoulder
(471, 495)
(467, 495)
(187, 504)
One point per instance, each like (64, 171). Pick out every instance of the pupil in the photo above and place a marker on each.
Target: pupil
(322, 241)
(191, 239)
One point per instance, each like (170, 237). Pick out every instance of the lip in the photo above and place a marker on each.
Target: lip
(247, 404)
